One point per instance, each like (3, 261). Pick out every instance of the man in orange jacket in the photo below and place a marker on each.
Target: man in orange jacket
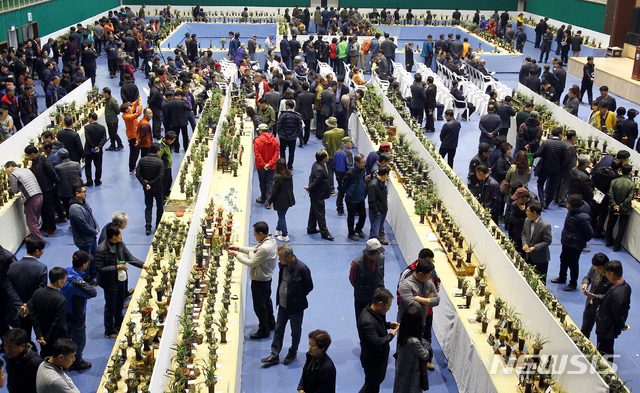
(130, 114)
(143, 136)
(266, 150)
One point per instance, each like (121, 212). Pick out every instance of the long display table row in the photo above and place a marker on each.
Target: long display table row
(12, 218)
(631, 239)
(449, 327)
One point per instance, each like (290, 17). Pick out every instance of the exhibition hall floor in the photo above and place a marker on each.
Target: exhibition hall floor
(331, 302)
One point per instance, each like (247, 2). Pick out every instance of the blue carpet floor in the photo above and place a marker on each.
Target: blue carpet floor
(328, 261)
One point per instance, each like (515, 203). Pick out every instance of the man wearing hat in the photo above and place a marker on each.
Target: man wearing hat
(76, 290)
(218, 73)
(342, 160)
(519, 202)
(251, 47)
(536, 238)
(366, 274)
(332, 141)
(266, 150)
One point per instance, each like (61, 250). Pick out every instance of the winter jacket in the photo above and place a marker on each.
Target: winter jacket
(95, 135)
(500, 168)
(299, 286)
(408, 376)
(150, 170)
(6, 259)
(342, 160)
(289, 125)
(377, 193)
(131, 119)
(490, 194)
(25, 182)
(552, 154)
(76, 290)
(602, 178)
(69, 173)
(71, 141)
(613, 311)
(266, 149)
(83, 224)
(577, 229)
(354, 185)
(129, 92)
(319, 182)
(621, 194)
(106, 261)
(364, 280)
(261, 259)
(111, 110)
(318, 376)
(282, 196)
(44, 172)
(530, 133)
(581, 184)
(374, 337)
(332, 140)
(22, 371)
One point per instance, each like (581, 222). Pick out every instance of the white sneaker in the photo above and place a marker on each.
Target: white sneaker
(133, 172)
(283, 238)
(278, 232)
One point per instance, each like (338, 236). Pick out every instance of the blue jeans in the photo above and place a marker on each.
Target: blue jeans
(252, 56)
(296, 331)
(377, 224)
(91, 250)
(78, 334)
(113, 304)
(265, 177)
(191, 118)
(282, 222)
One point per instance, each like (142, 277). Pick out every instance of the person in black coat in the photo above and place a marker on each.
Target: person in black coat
(449, 137)
(304, 104)
(47, 308)
(192, 48)
(150, 172)
(588, 75)
(506, 112)
(552, 153)
(532, 82)
(176, 111)
(108, 257)
(282, 197)
(612, 314)
(378, 203)
(71, 141)
(524, 70)
(473, 183)
(581, 182)
(129, 91)
(319, 189)
(594, 286)
(629, 129)
(47, 180)
(155, 103)
(89, 57)
(95, 137)
(418, 99)
(22, 361)
(548, 92)
(459, 97)
(6, 259)
(319, 372)
(374, 339)
(545, 48)
(540, 29)
(559, 38)
(291, 302)
(430, 104)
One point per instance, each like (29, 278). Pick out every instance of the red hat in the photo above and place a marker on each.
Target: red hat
(217, 65)
(385, 146)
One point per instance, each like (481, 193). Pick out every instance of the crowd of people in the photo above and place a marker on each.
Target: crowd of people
(292, 102)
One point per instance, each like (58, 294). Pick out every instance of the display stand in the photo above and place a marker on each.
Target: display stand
(508, 282)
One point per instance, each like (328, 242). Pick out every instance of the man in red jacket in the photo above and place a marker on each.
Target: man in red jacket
(266, 149)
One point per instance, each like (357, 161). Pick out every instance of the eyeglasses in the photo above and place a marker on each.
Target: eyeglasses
(82, 192)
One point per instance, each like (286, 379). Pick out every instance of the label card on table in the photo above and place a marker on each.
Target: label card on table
(432, 237)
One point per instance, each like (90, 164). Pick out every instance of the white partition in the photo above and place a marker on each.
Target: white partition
(509, 283)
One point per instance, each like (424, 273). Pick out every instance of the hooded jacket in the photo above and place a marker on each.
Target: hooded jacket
(530, 133)
(83, 223)
(22, 371)
(266, 150)
(577, 229)
(76, 290)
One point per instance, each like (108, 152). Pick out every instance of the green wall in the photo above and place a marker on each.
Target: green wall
(54, 15)
(576, 12)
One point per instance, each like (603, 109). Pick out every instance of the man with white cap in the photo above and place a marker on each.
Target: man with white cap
(366, 274)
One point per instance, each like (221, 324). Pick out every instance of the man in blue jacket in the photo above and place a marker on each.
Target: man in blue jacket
(449, 137)
(77, 290)
(342, 161)
(84, 226)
